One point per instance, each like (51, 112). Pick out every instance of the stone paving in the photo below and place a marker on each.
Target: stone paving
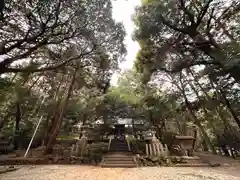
(74, 172)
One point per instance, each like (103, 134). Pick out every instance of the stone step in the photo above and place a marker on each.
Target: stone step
(116, 145)
(187, 157)
(192, 165)
(118, 165)
(119, 145)
(118, 162)
(120, 142)
(118, 148)
(120, 153)
(116, 158)
(22, 161)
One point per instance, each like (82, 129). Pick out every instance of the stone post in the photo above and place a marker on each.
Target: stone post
(73, 150)
(150, 150)
(154, 143)
(147, 150)
(83, 143)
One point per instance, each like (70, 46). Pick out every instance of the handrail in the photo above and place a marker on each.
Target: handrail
(128, 144)
(109, 143)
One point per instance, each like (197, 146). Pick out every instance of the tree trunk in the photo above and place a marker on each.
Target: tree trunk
(212, 49)
(216, 109)
(58, 96)
(179, 127)
(226, 103)
(17, 122)
(203, 132)
(4, 120)
(13, 105)
(161, 129)
(59, 117)
(207, 115)
(133, 130)
(204, 109)
(194, 118)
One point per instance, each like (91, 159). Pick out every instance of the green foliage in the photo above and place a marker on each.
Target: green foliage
(138, 146)
(167, 33)
(189, 50)
(71, 60)
(155, 161)
(54, 26)
(96, 151)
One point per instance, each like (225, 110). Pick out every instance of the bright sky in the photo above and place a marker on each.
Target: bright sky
(122, 12)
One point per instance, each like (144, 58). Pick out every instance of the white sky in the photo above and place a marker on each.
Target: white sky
(122, 12)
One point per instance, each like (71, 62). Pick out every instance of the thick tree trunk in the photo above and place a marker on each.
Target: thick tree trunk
(59, 117)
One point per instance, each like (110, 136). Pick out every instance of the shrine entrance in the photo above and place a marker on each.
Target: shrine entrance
(119, 131)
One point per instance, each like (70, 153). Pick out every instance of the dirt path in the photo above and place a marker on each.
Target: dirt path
(73, 172)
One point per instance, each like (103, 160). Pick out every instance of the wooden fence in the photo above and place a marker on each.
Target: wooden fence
(157, 149)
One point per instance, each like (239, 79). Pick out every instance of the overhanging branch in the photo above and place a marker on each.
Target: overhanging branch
(28, 70)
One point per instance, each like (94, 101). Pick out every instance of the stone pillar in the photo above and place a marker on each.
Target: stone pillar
(77, 148)
(158, 149)
(150, 150)
(154, 143)
(73, 150)
(147, 150)
(154, 149)
(83, 143)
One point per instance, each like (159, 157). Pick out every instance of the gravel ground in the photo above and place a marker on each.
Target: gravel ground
(73, 172)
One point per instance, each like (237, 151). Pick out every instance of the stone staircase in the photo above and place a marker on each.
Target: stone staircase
(118, 156)
(119, 146)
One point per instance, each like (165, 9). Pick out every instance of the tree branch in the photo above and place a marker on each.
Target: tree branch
(173, 26)
(203, 12)
(187, 12)
(15, 70)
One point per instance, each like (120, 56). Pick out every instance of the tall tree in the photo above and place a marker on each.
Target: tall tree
(40, 32)
(183, 33)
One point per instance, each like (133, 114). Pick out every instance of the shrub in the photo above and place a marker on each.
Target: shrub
(95, 151)
(155, 161)
(137, 146)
